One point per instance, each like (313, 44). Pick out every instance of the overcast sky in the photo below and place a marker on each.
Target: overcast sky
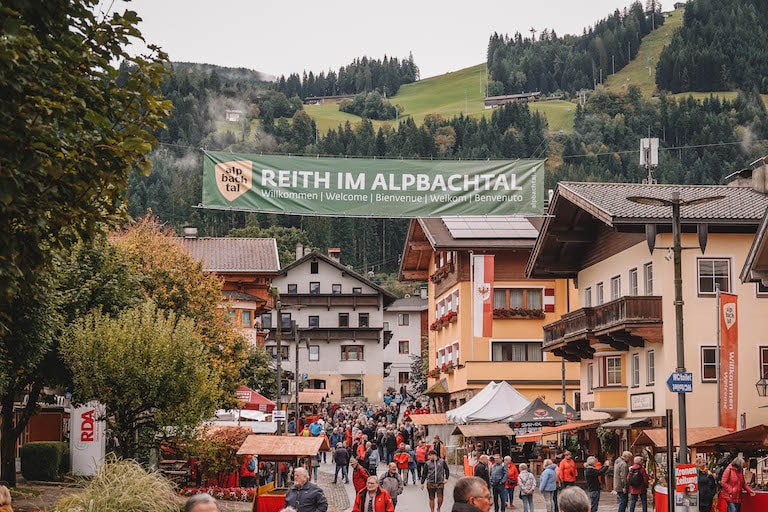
(279, 38)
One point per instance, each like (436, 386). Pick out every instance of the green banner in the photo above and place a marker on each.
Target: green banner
(372, 188)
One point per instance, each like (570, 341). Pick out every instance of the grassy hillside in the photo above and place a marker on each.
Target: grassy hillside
(637, 72)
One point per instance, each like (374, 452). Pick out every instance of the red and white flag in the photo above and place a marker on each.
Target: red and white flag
(483, 296)
(729, 360)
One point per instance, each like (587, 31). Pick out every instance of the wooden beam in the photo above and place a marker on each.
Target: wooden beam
(420, 246)
(576, 237)
(415, 275)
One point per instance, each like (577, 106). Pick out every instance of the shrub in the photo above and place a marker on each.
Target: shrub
(45, 461)
(122, 485)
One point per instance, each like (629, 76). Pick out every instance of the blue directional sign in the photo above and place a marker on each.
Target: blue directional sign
(680, 382)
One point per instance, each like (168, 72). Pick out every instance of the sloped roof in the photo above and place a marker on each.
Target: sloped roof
(429, 419)
(457, 232)
(756, 264)
(495, 402)
(414, 303)
(222, 255)
(484, 430)
(283, 447)
(537, 411)
(240, 296)
(658, 436)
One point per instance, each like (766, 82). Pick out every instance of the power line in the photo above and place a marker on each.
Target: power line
(692, 146)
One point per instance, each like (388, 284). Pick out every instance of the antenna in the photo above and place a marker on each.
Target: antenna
(649, 158)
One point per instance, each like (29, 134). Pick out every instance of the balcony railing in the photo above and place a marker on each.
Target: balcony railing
(331, 300)
(635, 315)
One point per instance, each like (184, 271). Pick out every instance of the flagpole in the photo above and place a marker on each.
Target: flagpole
(472, 304)
(717, 358)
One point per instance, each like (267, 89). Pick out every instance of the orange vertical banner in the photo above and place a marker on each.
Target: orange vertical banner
(729, 360)
(483, 296)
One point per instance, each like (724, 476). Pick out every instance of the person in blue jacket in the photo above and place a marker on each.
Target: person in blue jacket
(548, 484)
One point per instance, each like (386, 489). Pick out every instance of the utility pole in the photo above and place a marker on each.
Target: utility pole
(295, 328)
(278, 361)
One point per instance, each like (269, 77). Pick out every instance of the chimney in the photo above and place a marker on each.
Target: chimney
(760, 178)
(423, 292)
(299, 251)
(335, 254)
(190, 232)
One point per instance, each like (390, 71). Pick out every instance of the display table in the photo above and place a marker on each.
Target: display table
(271, 502)
(757, 502)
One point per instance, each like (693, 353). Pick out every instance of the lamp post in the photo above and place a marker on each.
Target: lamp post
(278, 360)
(676, 203)
(296, 375)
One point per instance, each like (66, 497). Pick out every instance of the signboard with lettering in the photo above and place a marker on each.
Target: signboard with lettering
(358, 187)
(87, 442)
(686, 488)
(680, 382)
(641, 402)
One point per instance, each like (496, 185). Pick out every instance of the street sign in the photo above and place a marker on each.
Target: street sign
(278, 415)
(680, 382)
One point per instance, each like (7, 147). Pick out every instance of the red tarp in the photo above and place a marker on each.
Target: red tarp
(253, 401)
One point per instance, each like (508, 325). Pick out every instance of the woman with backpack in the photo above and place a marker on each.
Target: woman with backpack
(637, 479)
(732, 484)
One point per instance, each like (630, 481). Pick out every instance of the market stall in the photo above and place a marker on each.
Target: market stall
(753, 444)
(485, 438)
(276, 449)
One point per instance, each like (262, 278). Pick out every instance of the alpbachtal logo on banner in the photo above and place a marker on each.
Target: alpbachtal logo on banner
(729, 314)
(234, 178)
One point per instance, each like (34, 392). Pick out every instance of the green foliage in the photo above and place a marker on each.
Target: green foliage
(419, 369)
(148, 368)
(609, 440)
(258, 373)
(44, 461)
(369, 106)
(72, 127)
(721, 46)
(217, 449)
(122, 485)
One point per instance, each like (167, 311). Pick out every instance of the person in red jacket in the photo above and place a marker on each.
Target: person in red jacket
(373, 498)
(732, 485)
(248, 472)
(568, 471)
(512, 475)
(359, 475)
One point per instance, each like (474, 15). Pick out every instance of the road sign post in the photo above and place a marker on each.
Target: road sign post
(680, 382)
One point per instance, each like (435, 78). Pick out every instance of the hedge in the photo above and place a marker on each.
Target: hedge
(44, 461)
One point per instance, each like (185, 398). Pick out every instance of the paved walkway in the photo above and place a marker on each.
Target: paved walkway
(414, 499)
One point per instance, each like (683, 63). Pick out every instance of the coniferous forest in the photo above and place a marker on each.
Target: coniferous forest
(701, 140)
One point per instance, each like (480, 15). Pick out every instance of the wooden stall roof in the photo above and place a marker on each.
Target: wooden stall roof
(282, 447)
(753, 438)
(531, 437)
(429, 419)
(658, 436)
(484, 430)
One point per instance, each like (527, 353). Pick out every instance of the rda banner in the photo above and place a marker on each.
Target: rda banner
(372, 188)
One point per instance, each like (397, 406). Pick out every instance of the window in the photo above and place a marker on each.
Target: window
(650, 360)
(714, 272)
(343, 319)
(403, 319)
(588, 297)
(403, 378)
(708, 364)
(233, 316)
(314, 355)
(266, 321)
(336, 288)
(316, 383)
(516, 351)
(403, 347)
(351, 352)
(293, 288)
(763, 362)
(314, 321)
(357, 291)
(363, 320)
(615, 287)
(762, 290)
(612, 371)
(633, 291)
(351, 388)
(455, 353)
(314, 267)
(385, 326)
(283, 350)
(285, 321)
(648, 278)
(510, 298)
(245, 318)
(599, 292)
(590, 377)
(635, 370)
(314, 288)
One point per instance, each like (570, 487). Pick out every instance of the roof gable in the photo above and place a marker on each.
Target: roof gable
(230, 255)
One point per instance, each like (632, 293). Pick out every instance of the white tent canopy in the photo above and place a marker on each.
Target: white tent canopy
(495, 402)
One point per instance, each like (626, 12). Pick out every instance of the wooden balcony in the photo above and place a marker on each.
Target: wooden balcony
(331, 300)
(622, 323)
(329, 334)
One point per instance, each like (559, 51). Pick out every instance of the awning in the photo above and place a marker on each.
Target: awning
(429, 419)
(283, 447)
(310, 396)
(658, 436)
(751, 439)
(532, 437)
(438, 388)
(257, 427)
(625, 423)
(484, 430)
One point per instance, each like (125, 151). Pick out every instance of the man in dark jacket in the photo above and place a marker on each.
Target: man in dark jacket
(471, 494)
(304, 496)
(481, 470)
(341, 456)
(436, 474)
(707, 485)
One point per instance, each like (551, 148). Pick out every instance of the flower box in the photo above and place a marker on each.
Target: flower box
(504, 313)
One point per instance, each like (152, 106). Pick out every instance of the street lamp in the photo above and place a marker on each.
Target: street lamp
(762, 386)
(296, 375)
(676, 203)
(279, 360)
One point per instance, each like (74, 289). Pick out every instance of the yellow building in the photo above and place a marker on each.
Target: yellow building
(623, 333)
(440, 250)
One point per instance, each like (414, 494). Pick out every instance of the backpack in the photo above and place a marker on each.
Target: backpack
(251, 465)
(636, 478)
